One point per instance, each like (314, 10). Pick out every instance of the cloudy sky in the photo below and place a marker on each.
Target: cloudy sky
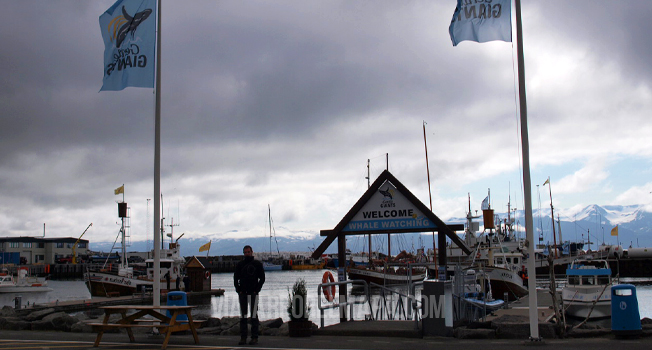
(283, 102)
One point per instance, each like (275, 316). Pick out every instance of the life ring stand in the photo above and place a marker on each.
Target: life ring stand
(329, 292)
(175, 270)
(207, 274)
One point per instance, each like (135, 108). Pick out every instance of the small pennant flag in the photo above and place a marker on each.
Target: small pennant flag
(614, 231)
(547, 182)
(119, 190)
(205, 247)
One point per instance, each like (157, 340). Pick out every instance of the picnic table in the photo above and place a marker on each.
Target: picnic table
(132, 318)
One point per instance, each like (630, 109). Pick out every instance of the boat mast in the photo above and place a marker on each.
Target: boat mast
(122, 212)
(540, 222)
(552, 216)
(389, 243)
(559, 228)
(269, 211)
(369, 185)
(434, 247)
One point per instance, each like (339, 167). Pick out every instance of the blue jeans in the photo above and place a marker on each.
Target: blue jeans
(248, 302)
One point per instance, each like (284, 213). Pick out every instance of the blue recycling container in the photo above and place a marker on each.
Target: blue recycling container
(177, 298)
(625, 318)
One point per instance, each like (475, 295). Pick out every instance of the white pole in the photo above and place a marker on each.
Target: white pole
(157, 169)
(527, 182)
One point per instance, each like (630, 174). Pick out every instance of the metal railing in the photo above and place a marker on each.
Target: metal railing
(399, 309)
(336, 301)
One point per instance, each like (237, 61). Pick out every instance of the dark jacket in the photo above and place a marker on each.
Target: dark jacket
(249, 276)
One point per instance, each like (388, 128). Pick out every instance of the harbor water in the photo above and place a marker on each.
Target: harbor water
(273, 297)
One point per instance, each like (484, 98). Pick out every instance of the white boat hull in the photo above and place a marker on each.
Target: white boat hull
(578, 302)
(505, 281)
(379, 277)
(102, 284)
(25, 289)
(272, 267)
(587, 293)
(581, 309)
(23, 283)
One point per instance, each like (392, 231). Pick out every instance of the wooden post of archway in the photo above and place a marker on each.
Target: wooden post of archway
(341, 272)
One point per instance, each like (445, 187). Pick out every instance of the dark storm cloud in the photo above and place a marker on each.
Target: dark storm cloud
(614, 30)
(284, 101)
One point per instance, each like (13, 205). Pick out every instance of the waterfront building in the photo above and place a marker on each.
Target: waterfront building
(41, 250)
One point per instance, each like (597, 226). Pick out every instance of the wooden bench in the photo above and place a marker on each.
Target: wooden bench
(167, 325)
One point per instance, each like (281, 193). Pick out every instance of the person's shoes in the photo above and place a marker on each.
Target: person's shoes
(253, 341)
(243, 341)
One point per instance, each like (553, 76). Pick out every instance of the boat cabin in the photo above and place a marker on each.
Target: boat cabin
(589, 273)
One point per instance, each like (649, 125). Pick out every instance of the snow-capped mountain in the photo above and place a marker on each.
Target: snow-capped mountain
(577, 224)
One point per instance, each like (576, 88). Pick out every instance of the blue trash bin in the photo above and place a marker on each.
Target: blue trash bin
(177, 299)
(625, 318)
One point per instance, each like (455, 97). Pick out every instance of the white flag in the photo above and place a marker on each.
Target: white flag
(485, 203)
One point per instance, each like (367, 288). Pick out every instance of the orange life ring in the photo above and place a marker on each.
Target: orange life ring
(329, 292)
(207, 274)
(478, 256)
(175, 270)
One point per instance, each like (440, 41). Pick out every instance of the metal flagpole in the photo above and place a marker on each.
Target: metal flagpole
(527, 182)
(157, 168)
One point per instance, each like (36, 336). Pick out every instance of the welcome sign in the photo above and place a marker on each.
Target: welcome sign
(388, 209)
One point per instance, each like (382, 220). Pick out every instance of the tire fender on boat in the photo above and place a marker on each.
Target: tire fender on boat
(329, 292)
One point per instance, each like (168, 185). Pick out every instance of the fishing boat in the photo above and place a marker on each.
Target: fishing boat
(22, 283)
(507, 274)
(272, 263)
(498, 253)
(118, 279)
(387, 275)
(587, 293)
(304, 263)
(121, 279)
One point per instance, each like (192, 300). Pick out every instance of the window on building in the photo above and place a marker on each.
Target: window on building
(59, 245)
(69, 245)
(81, 245)
(40, 245)
(14, 245)
(40, 258)
(27, 244)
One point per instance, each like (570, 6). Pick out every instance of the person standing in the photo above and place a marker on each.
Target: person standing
(167, 279)
(248, 280)
(186, 283)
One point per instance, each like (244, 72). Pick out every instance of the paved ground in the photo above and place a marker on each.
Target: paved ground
(58, 340)
(362, 335)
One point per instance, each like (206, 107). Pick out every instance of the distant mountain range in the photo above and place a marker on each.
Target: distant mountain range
(594, 222)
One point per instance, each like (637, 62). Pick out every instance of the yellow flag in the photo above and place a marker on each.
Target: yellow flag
(205, 247)
(614, 231)
(547, 182)
(119, 190)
